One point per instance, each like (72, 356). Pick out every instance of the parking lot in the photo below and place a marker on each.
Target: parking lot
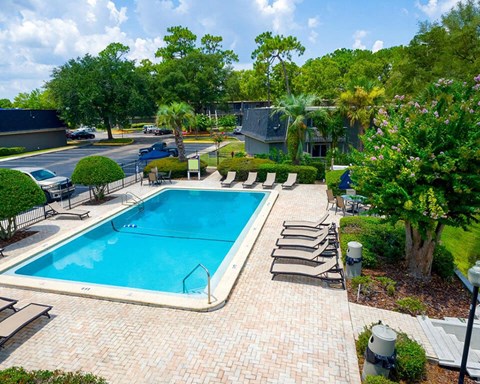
(63, 162)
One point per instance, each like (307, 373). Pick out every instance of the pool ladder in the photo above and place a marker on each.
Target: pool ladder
(208, 280)
(129, 198)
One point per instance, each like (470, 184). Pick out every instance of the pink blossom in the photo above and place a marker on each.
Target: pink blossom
(435, 113)
(424, 110)
(380, 157)
(376, 147)
(373, 158)
(447, 121)
(398, 150)
(379, 132)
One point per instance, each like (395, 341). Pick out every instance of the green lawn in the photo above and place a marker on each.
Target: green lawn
(225, 152)
(464, 245)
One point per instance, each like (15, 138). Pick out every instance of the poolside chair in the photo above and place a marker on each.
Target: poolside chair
(5, 303)
(330, 198)
(24, 316)
(57, 209)
(329, 271)
(320, 254)
(341, 205)
(251, 180)
(167, 176)
(305, 223)
(302, 243)
(193, 166)
(152, 178)
(270, 180)
(229, 179)
(291, 181)
(311, 234)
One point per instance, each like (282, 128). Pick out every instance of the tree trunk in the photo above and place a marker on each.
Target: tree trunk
(8, 231)
(419, 250)
(106, 123)
(179, 142)
(285, 74)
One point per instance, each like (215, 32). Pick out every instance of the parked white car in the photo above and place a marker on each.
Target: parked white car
(87, 129)
(55, 187)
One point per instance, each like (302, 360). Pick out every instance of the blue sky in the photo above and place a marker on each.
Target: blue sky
(37, 35)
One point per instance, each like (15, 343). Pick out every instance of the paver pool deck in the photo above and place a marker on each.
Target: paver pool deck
(287, 330)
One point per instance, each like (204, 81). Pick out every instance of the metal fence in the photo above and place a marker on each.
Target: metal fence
(37, 214)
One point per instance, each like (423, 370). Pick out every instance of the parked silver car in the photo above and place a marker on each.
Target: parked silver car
(55, 187)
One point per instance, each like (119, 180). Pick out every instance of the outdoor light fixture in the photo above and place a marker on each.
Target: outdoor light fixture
(474, 278)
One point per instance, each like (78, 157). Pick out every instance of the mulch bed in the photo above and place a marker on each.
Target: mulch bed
(442, 298)
(100, 202)
(20, 235)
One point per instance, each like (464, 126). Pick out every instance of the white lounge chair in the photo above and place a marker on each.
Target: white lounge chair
(306, 223)
(229, 179)
(251, 180)
(310, 234)
(291, 181)
(270, 180)
(302, 243)
(329, 271)
(57, 209)
(319, 254)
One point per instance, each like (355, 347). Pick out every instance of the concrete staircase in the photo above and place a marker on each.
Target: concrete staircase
(447, 338)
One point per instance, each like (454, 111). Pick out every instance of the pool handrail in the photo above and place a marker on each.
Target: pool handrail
(136, 199)
(208, 280)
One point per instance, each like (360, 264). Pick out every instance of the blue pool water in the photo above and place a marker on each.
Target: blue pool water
(156, 247)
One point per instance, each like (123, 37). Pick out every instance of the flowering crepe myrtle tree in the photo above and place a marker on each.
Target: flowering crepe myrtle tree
(421, 165)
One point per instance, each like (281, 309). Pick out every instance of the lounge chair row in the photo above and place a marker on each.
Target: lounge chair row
(19, 318)
(310, 249)
(252, 180)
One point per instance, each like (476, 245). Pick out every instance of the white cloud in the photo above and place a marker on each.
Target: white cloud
(357, 37)
(434, 8)
(313, 22)
(280, 12)
(312, 37)
(377, 46)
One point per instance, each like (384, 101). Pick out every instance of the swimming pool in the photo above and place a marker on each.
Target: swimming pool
(151, 247)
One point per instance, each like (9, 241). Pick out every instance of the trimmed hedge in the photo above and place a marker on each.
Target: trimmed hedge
(178, 168)
(243, 165)
(320, 165)
(306, 174)
(15, 375)
(333, 181)
(11, 151)
(379, 238)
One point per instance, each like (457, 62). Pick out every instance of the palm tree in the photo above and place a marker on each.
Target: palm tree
(297, 109)
(358, 104)
(176, 115)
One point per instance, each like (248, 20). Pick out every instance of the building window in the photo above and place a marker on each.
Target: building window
(319, 150)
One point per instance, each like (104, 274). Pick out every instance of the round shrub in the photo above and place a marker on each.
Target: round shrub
(97, 172)
(377, 380)
(411, 305)
(411, 360)
(178, 168)
(242, 165)
(443, 263)
(362, 343)
(18, 193)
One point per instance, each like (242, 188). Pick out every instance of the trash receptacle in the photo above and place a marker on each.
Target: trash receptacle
(354, 259)
(380, 354)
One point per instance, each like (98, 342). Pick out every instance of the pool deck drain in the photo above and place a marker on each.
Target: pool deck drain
(289, 330)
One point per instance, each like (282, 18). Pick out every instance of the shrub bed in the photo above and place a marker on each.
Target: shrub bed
(243, 165)
(178, 168)
(4, 151)
(379, 238)
(15, 375)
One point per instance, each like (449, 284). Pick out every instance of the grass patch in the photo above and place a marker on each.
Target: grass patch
(464, 245)
(114, 142)
(224, 153)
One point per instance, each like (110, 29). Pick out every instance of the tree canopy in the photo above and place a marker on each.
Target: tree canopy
(105, 90)
(421, 164)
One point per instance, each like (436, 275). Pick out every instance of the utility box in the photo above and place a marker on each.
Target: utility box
(380, 354)
(354, 259)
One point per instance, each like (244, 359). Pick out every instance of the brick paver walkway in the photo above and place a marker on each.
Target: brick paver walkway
(291, 330)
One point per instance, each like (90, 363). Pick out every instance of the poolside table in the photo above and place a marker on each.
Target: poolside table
(355, 201)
